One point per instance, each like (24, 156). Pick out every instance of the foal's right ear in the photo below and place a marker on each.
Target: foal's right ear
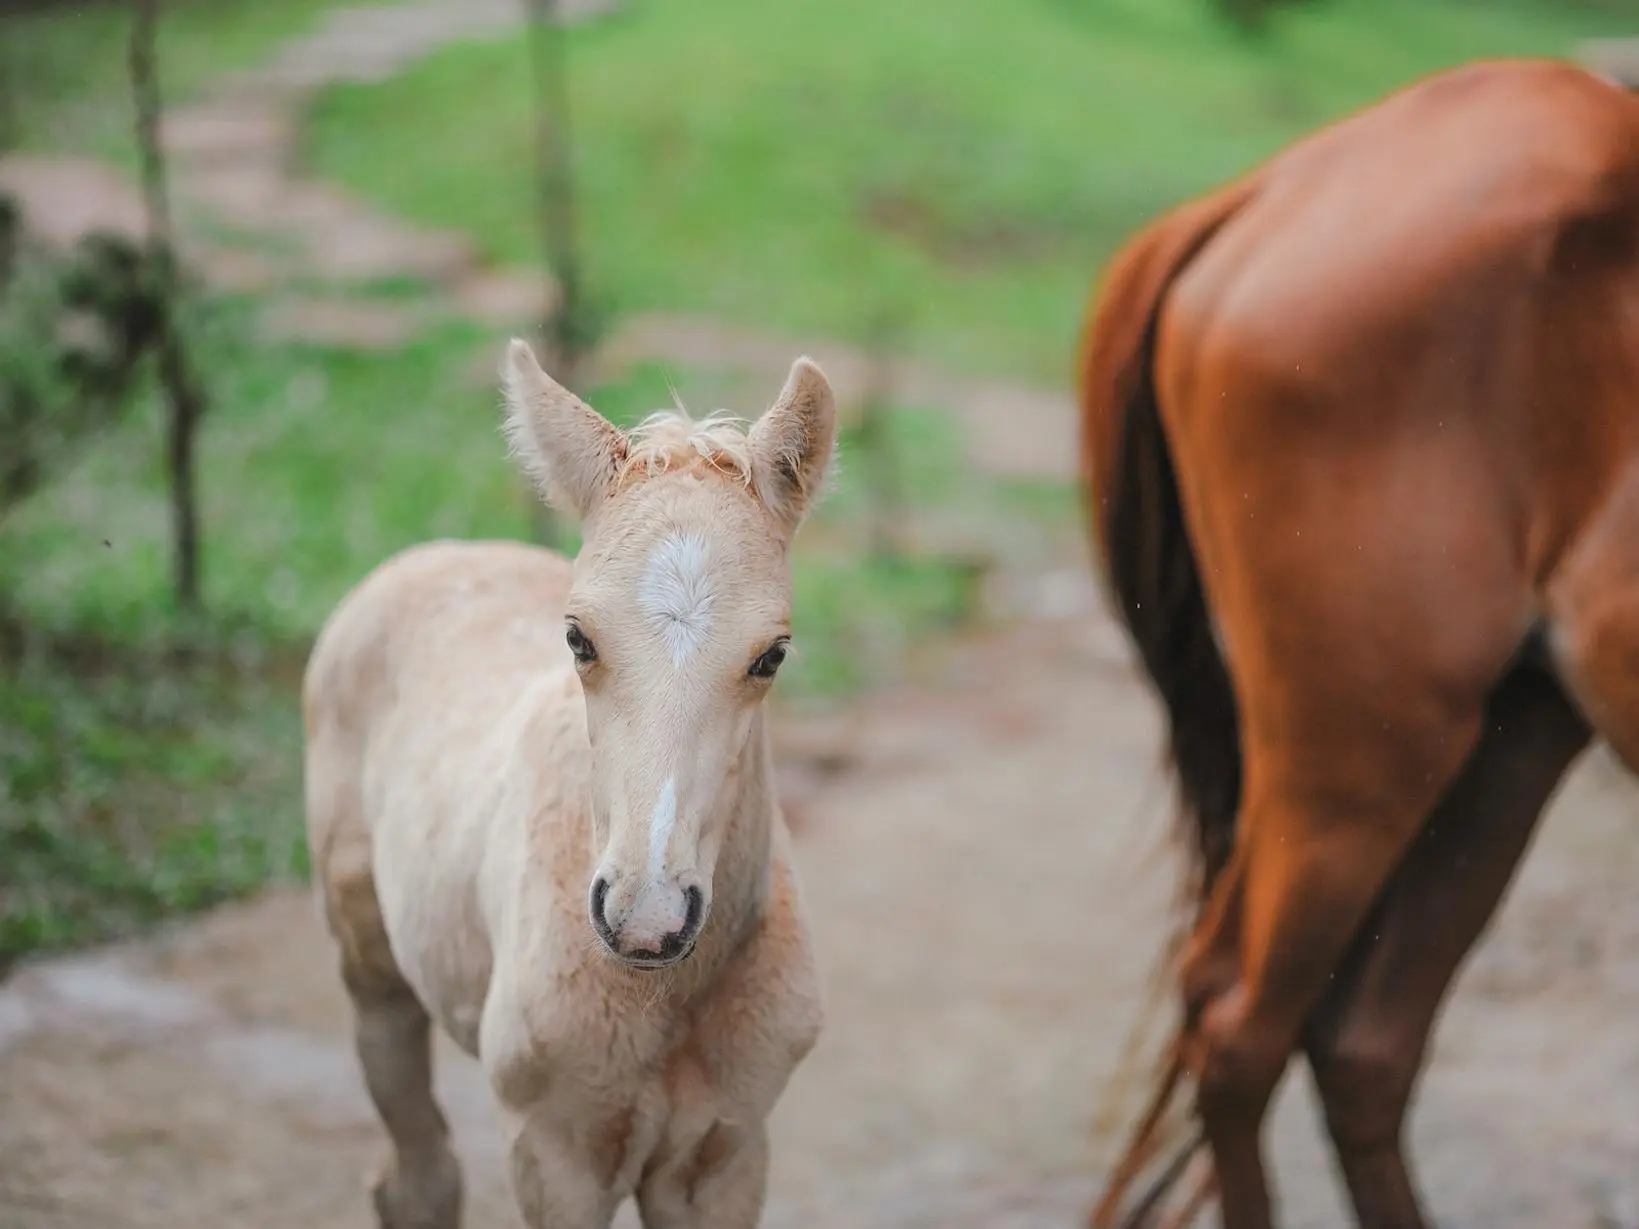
(791, 443)
(572, 452)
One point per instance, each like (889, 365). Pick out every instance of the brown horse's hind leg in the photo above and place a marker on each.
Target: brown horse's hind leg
(1324, 826)
(1367, 1039)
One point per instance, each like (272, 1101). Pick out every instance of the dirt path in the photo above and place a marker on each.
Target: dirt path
(986, 889)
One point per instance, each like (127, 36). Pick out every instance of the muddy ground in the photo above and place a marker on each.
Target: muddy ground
(987, 890)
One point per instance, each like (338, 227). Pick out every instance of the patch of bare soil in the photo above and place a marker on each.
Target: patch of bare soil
(988, 880)
(64, 199)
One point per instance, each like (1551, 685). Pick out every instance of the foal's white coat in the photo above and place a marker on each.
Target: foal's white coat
(470, 782)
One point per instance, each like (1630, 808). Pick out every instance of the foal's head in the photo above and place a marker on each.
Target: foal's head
(678, 620)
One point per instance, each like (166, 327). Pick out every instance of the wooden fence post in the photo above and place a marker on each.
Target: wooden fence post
(184, 394)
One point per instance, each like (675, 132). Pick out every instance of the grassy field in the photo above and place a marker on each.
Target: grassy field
(319, 462)
(63, 67)
(150, 763)
(804, 165)
(813, 162)
(140, 780)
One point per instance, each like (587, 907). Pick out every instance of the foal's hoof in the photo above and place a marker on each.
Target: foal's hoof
(427, 1199)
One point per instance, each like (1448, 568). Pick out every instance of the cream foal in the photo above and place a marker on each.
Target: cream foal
(541, 813)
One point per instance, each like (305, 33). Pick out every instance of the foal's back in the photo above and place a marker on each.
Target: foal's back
(420, 687)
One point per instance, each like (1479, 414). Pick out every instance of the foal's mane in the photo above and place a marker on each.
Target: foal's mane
(670, 440)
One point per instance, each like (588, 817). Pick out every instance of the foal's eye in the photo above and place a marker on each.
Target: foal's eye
(579, 645)
(766, 666)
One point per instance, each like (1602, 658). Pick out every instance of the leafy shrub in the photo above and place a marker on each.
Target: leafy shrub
(74, 328)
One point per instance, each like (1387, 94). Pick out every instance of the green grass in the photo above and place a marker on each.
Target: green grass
(317, 463)
(810, 163)
(136, 783)
(803, 165)
(150, 763)
(64, 65)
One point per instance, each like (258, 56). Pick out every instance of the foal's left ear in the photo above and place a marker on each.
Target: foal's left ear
(791, 443)
(572, 452)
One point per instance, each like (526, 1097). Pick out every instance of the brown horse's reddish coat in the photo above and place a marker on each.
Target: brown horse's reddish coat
(1362, 434)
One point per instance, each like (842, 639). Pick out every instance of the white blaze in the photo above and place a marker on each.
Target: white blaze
(675, 593)
(661, 825)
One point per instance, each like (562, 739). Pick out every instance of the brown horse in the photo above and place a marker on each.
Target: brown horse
(1361, 432)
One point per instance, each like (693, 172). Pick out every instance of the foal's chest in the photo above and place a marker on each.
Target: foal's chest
(674, 1128)
(638, 1103)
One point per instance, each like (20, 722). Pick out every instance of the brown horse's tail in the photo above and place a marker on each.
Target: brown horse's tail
(1151, 572)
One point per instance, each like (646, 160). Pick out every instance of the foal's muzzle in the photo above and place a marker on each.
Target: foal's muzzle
(635, 939)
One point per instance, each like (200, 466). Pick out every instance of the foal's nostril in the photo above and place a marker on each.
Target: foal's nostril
(675, 944)
(694, 907)
(600, 894)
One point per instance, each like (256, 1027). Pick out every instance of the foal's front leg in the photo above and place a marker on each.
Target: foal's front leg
(420, 1187)
(555, 1183)
(719, 1184)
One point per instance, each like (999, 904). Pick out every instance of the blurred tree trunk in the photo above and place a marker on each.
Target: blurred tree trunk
(11, 224)
(184, 394)
(569, 328)
(9, 123)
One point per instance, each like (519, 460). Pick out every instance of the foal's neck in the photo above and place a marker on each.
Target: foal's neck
(740, 887)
